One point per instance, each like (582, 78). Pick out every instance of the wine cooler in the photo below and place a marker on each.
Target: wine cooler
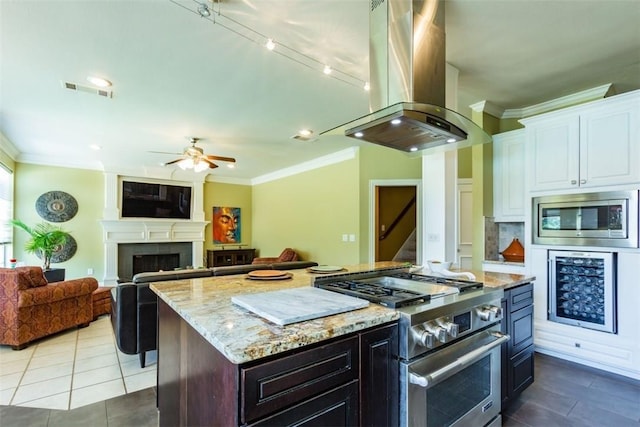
(582, 289)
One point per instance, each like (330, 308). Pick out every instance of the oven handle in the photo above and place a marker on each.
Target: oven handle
(461, 362)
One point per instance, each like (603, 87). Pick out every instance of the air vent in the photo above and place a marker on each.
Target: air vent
(87, 89)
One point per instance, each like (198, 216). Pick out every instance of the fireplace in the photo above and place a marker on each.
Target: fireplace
(125, 238)
(142, 257)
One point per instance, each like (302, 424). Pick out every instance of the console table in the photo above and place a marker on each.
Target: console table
(217, 258)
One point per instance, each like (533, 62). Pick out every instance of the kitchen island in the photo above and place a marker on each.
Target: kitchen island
(220, 364)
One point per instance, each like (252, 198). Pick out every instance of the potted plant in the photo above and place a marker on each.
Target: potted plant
(45, 240)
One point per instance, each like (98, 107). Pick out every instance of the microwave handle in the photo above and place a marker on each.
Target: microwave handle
(459, 363)
(574, 182)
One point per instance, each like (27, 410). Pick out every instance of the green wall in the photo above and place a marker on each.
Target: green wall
(231, 195)
(378, 162)
(309, 212)
(87, 187)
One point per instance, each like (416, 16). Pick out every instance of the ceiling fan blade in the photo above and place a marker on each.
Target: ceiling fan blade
(172, 162)
(164, 152)
(224, 159)
(211, 164)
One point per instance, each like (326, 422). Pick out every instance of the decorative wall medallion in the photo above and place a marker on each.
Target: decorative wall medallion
(63, 252)
(56, 206)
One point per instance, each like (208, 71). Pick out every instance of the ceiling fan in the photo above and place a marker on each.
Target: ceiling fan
(193, 157)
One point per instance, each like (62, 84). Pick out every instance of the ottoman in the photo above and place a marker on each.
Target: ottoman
(101, 301)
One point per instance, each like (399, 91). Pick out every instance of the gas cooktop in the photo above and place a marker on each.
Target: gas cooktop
(395, 290)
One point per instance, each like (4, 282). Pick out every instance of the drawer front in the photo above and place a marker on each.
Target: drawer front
(520, 297)
(335, 408)
(521, 329)
(275, 385)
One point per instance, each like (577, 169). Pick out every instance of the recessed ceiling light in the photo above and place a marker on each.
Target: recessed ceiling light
(450, 140)
(270, 44)
(358, 134)
(412, 149)
(367, 86)
(305, 132)
(231, 165)
(99, 81)
(396, 121)
(327, 69)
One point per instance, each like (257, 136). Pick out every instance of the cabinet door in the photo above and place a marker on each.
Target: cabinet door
(553, 150)
(509, 176)
(521, 369)
(379, 382)
(610, 145)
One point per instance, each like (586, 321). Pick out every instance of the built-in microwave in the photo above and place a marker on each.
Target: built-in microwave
(606, 219)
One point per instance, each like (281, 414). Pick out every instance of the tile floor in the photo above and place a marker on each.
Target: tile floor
(72, 369)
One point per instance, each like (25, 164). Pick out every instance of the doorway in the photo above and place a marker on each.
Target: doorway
(394, 221)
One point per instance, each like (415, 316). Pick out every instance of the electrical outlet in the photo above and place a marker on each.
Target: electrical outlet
(345, 238)
(352, 237)
(90, 271)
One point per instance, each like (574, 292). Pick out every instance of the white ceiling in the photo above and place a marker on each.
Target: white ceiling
(176, 75)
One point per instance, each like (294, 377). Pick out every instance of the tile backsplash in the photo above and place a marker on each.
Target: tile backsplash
(499, 236)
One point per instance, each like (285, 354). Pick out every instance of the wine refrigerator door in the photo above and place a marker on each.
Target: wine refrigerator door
(582, 289)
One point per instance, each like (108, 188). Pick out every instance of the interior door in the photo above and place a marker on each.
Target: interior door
(464, 234)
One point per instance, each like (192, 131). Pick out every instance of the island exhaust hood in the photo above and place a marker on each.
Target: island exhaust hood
(407, 72)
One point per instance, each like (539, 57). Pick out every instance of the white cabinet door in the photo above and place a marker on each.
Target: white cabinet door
(553, 150)
(591, 145)
(610, 145)
(509, 176)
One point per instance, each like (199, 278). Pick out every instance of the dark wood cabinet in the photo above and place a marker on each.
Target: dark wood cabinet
(518, 352)
(218, 258)
(348, 381)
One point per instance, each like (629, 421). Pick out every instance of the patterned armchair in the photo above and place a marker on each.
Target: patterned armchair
(287, 255)
(31, 308)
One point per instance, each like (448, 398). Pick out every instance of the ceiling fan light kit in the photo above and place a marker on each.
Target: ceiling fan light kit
(194, 158)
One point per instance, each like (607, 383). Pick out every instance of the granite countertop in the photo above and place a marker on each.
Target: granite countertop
(242, 336)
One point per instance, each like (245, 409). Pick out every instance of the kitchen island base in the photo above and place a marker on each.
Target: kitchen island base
(349, 380)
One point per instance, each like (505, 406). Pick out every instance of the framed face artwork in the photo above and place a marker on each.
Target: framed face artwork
(226, 225)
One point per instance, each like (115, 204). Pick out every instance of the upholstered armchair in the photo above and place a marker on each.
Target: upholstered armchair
(32, 308)
(287, 255)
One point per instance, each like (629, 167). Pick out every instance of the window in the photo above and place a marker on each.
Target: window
(6, 213)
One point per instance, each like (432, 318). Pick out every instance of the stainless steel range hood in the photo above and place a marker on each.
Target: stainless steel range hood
(407, 72)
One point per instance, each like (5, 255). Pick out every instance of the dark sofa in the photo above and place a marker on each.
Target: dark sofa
(134, 305)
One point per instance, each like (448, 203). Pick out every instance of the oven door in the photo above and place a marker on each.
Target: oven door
(458, 385)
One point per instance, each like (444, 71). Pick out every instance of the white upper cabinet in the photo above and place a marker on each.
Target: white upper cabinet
(591, 145)
(509, 176)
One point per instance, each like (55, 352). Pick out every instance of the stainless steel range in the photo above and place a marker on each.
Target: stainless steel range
(449, 353)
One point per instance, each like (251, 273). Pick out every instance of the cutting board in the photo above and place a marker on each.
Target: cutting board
(298, 304)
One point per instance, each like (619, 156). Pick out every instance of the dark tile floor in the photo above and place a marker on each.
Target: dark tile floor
(568, 394)
(564, 394)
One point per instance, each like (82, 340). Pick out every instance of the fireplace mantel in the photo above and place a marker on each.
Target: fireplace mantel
(131, 230)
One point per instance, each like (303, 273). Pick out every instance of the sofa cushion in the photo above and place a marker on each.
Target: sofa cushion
(292, 265)
(238, 269)
(161, 276)
(30, 277)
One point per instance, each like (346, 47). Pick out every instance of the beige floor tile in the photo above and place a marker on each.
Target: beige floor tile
(7, 354)
(96, 362)
(10, 380)
(140, 381)
(132, 367)
(52, 359)
(52, 350)
(48, 372)
(98, 350)
(6, 395)
(41, 389)
(96, 376)
(58, 401)
(95, 341)
(64, 336)
(96, 393)
(12, 367)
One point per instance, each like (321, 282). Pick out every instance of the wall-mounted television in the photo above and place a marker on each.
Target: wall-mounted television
(149, 200)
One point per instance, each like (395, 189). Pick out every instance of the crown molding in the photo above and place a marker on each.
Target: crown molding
(329, 159)
(581, 97)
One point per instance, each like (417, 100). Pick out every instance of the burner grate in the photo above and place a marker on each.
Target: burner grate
(388, 297)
